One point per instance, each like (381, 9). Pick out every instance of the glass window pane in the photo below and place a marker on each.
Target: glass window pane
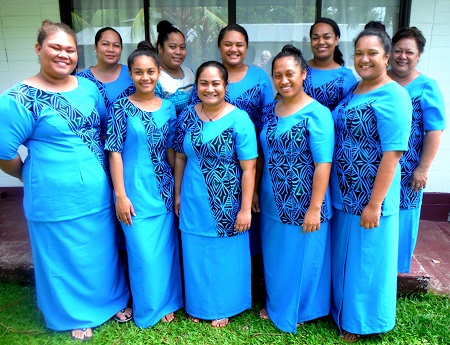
(127, 17)
(200, 21)
(271, 25)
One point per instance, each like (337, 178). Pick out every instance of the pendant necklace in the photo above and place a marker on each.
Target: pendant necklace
(213, 117)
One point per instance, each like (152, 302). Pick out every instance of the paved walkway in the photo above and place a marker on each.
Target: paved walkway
(430, 266)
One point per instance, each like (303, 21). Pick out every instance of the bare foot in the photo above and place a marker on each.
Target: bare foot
(194, 319)
(263, 314)
(168, 318)
(350, 337)
(124, 315)
(82, 334)
(219, 323)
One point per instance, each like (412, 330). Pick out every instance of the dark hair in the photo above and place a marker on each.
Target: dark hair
(290, 51)
(143, 48)
(48, 28)
(382, 35)
(376, 25)
(215, 64)
(337, 54)
(411, 32)
(100, 32)
(165, 28)
(232, 27)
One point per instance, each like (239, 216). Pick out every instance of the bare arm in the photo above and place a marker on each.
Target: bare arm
(370, 217)
(180, 164)
(12, 167)
(321, 178)
(431, 143)
(170, 153)
(124, 207)
(244, 216)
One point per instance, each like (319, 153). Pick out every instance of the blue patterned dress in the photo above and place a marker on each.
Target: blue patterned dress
(152, 244)
(297, 267)
(330, 86)
(216, 258)
(178, 91)
(121, 87)
(428, 115)
(364, 262)
(67, 200)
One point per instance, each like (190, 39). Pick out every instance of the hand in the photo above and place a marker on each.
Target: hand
(243, 221)
(124, 210)
(176, 205)
(311, 222)
(255, 203)
(418, 179)
(370, 217)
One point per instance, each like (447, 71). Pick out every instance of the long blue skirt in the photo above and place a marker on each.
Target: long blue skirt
(154, 268)
(297, 273)
(216, 275)
(364, 273)
(79, 280)
(409, 229)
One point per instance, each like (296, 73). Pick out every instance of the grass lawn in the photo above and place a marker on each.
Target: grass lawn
(421, 319)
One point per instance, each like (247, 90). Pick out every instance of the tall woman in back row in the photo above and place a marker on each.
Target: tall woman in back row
(327, 80)
(427, 126)
(372, 126)
(297, 141)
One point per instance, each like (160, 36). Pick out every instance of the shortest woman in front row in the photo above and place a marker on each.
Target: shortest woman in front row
(140, 134)
(297, 141)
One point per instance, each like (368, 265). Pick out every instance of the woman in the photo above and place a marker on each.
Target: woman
(214, 180)
(111, 77)
(427, 126)
(327, 80)
(297, 141)
(140, 134)
(176, 81)
(68, 200)
(372, 125)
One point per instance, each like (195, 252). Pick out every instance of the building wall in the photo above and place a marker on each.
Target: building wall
(19, 20)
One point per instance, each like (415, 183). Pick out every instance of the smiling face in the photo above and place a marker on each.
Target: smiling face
(370, 58)
(109, 48)
(144, 74)
(173, 53)
(233, 48)
(405, 57)
(288, 77)
(211, 87)
(323, 41)
(58, 55)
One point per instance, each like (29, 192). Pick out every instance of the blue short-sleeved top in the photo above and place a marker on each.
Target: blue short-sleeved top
(366, 125)
(211, 186)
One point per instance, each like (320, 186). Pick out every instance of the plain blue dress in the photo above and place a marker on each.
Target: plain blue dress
(67, 201)
(121, 87)
(428, 115)
(152, 245)
(330, 86)
(364, 262)
(216, 258)
(297, 266)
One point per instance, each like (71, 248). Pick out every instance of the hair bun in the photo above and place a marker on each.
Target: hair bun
(292, 49)
(145, 46)
(164, 26)
(375, 25)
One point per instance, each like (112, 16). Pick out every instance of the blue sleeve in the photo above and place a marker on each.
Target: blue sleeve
(172, 126)
(349, 82)
(16, 126)
(117, 128)
(180, 130)
(266, 89)
(394, 118)
(158, 90)
(433, 107)
(321, 138)
(245, 137)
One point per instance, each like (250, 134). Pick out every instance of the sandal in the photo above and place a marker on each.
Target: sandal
(123, 311)
(263, 314)
(85, 337)
(168, 318)
(194, 319)
(219, 323)
(350, 337)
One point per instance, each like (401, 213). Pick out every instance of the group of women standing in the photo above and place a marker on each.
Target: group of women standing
(319, 165)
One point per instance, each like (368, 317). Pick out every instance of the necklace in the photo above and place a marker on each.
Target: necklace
(213, 117)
